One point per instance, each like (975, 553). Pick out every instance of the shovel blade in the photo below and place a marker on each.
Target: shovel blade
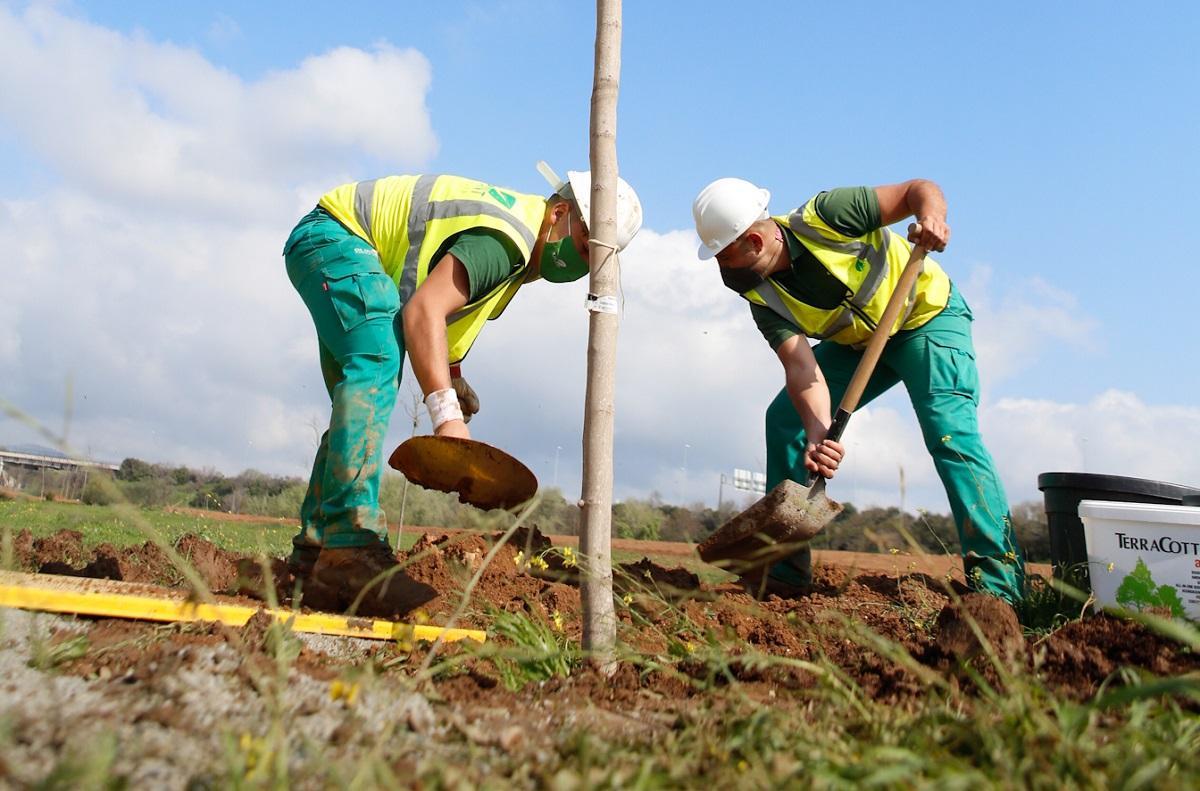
(483, 475)
(772, 528)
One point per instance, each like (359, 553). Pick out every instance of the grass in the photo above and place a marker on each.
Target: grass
(1012, 731)
(110, 524)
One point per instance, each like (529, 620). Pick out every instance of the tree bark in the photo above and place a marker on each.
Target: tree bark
(599, 616)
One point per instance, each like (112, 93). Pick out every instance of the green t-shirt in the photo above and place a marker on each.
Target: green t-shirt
(853, 211)
(489, 257)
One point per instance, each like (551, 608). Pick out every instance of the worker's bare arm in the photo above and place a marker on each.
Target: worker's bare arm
(809, 393)
(921, 199)
(444, 291)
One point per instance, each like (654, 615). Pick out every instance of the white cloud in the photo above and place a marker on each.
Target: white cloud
(1016, 323)
(1115, 433)
(151, 274)
(150, 277)
(156, 127)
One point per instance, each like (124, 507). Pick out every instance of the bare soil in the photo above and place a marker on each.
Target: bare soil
(914, 603)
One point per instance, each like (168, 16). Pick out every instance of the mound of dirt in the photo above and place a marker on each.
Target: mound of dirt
(851, 618)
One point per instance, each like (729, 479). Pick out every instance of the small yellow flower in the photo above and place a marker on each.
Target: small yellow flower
(252, 750)
(690, 647)
(570, 560)
(1111, 566)
(344, 690)
(405, 635)
(742, 765)
(894, 551)
(558, 620)
(520, 558)
(538, 562)
(628, 599)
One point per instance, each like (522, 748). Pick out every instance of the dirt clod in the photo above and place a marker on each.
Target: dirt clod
(961, 624)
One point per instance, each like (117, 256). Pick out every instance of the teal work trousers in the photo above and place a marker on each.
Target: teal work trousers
(355, 307)
(936, 363)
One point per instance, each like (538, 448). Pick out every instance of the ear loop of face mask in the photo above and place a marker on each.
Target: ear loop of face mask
(559, 253)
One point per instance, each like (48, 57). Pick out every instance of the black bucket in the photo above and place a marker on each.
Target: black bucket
(1062, 492)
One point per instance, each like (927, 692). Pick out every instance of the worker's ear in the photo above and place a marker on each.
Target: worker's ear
(755, 240)
(559, 210)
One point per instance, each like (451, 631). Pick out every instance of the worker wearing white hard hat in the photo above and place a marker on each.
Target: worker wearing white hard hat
(824, 272)
(413, 265)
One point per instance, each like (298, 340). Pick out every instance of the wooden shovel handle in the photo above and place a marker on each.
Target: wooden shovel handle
(866, 365)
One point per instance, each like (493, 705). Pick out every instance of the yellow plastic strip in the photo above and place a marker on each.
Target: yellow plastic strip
(53, 593)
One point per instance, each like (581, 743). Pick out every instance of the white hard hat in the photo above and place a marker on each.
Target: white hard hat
(724, 210)
(578, 187)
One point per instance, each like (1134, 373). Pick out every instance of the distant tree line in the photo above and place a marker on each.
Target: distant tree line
(650, 519)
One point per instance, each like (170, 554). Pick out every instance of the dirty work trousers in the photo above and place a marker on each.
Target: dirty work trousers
(936, 363)
(355, 307)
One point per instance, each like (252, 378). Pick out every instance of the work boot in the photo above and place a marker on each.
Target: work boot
(353, 567)
(341, 574)
(789, 578)
(300, 563)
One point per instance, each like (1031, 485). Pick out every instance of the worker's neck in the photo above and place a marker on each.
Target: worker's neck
(780, 259)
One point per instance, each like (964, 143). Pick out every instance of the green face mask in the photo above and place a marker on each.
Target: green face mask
(561, 262)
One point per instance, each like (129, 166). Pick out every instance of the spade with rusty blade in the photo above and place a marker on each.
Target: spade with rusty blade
(792, 513)
(483, 476)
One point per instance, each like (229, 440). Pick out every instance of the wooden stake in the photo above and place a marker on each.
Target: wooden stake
(599, 617)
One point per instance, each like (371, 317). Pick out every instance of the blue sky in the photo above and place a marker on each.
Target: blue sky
(153, 156)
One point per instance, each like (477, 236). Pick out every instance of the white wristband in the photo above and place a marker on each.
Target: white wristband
(443, 406)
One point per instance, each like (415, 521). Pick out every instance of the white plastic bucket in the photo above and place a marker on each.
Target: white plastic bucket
(1143, 556)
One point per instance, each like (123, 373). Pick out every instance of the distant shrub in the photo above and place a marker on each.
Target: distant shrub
(285, 503)
(99, 490)
(137, 470)
(150, 492)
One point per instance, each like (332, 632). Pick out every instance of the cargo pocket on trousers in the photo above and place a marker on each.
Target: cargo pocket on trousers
(358, 297)
(952, 370)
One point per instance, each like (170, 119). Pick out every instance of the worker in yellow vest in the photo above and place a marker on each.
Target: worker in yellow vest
(416, 265)
(825, 272)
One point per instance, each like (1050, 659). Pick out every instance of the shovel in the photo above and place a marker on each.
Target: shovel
(483, 476)
(791, 512)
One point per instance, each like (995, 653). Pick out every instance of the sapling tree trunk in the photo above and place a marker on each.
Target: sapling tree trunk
(599, 617)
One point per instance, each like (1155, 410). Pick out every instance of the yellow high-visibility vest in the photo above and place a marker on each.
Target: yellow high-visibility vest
(870, 266)
(408, 218)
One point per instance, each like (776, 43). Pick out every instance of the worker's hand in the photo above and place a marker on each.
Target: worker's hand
(453, 428)
(931, 233)
(467, 399)
(823, 458)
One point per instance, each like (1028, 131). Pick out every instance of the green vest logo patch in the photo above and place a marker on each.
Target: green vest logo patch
(859, 264)
(508, 201)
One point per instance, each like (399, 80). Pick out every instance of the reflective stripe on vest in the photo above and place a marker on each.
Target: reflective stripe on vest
(865, 265)
(421, 211)
(408, 218)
